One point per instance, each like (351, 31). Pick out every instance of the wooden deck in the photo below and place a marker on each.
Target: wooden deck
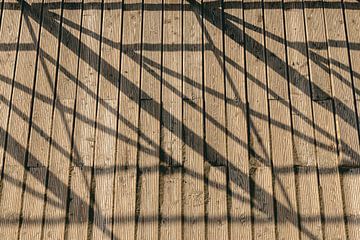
(179, 119)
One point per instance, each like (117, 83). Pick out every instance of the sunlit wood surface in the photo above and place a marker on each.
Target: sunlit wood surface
(179, 119)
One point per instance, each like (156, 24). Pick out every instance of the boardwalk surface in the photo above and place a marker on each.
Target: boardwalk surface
(179, 119)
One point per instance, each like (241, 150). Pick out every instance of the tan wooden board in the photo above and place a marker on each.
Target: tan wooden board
(302, 123)
(351, 186)
(259, 141)
(237, 126)
(217, 227)
(149, 127)
(170, 200)
(342, 85)
(329, 179)
(64, 110)
(85, 117)
(280, 126)
(171, 134)
(128, 119)
(193, 174)
(40, 132)
(9, 32)
(18, 128)
(105, 140)
(58, 171)
(330, 189)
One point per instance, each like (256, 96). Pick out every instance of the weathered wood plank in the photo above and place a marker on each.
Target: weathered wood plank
(351, 188)
(33, 205)
(237, 126)
(214, 84)
(171, 127)
(85, 117)
(353, 36)
(104, 163)
(58, 171)
(105, 142)
(40, 132)
(217, 209)
(280, 125)
(302, 122)
(63, 117)
(330, 189)
(171, 136)
(261, 176)
(193, 174)
(351, 177)
(9, 33)
(342, 85)
(127, 142)
(149, 129)
(171, 204)
(18, 128)
(284, 186)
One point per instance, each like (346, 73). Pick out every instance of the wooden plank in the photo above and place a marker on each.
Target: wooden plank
(214, 85)
(18, 129)
(193, 174)
(33, 205)
(237, 137)
(170, 208)
(171, 127)
(171, 137)
(280, 125)
(330, 191)
(149, 158)
(302, 120)
(85, 117)
(105, 141)
(351, 188)
(316, 38)
(104, 169)
(262, 207)
(9, 33)
(40, 132)
(217, 209)
(353, 35)
(261, 176)
(342, 85)
(351, 177)
(284, 186)
(126, 157)
(63, 123)
(330, 188)
(58, 170)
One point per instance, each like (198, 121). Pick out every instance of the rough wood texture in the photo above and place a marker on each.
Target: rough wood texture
(127, 135)
(9, 32)
(40, 132)
(18, 128)
(237, 135)
(327, 159)
(149, 129)
(302, 122)
(171, 135)
(171, 204)
(217, 210)
(260, 161)
(171, 119)
(193, 174)
(342, 85)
